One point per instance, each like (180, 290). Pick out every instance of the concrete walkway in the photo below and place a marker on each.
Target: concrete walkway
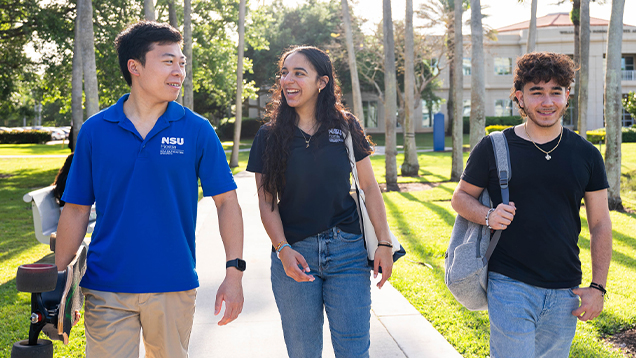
(397, 328)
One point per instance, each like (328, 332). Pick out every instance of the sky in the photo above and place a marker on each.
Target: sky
(501, 12)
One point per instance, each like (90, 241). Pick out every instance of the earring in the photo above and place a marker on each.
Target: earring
(319, 89)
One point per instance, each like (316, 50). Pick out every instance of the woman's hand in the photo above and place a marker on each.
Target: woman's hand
(383, 258)
(290, 259)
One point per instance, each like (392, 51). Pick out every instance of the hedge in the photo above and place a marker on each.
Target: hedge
(25, 137)
(507, 121)
(595, 136)
(249, 127)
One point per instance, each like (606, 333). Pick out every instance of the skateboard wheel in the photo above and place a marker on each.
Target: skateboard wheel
(22, 349)
(36, 278)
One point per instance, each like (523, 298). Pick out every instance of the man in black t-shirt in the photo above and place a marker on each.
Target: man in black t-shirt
(534, 272)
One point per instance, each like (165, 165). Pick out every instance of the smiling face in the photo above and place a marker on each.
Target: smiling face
(544, 102)
(300, 82)
(163, 73)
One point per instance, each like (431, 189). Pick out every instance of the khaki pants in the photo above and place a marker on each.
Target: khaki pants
(113, 322)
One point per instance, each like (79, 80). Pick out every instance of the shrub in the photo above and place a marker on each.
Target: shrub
(25, 137)
(249, 127)
(596, 136)
(496, 128)
(508, 121)
(629, 135)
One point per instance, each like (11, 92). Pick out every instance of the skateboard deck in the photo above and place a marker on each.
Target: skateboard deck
(72, 298)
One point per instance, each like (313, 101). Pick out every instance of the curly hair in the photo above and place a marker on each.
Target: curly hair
(536, 67)
(282, 119)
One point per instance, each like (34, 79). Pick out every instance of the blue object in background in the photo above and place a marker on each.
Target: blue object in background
(438, 132)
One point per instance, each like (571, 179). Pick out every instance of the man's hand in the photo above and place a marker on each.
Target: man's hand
(383, 258)
(290, 259)
(230, 292)
(591, 303)
(503, 215)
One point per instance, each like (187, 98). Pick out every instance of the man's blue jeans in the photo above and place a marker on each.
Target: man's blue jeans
(342, 285)
(528, 321)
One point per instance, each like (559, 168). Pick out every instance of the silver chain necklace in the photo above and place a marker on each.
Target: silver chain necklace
(547, 154)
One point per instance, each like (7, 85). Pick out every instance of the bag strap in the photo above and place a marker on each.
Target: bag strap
(352, 160)
(504, 172)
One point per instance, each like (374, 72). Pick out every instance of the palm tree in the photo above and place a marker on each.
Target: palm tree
(353, 67)
(532, 30)
(477, 80)
(77, 110)
(585, 67)
(88, 57)
(410, 166)
(575, 17)
(239, 86)
(188, 86)
(613, 105)
(390, 100)
(149, 10)
(172, 18)
(457, 95)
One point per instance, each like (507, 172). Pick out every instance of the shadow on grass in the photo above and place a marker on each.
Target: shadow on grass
(443, 213)
(628, 261)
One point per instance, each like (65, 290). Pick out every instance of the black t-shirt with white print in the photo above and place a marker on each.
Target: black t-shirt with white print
(316, 194)
(540, 247)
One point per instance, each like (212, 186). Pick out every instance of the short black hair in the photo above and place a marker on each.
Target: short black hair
(137, 39)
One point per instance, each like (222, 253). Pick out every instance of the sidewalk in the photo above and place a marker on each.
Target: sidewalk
(397, 329)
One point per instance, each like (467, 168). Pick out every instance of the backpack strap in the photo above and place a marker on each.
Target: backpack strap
(504, 172)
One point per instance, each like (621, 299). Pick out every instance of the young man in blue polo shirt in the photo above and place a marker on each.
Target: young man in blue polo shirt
(140, 161)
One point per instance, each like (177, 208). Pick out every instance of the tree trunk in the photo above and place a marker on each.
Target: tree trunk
(477, 79)
(188, 86)
(410, 166)
(390, 97)
(77, 110)
(450, 104)
(613, 106)
(239, 86)
(532, 30)
(88, 58)
(585, 67)
(574, 101)
(172, 17)
(458, 89)
(149, 10)
(353, 67)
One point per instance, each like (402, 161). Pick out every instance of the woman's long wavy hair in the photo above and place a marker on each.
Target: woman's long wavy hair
(330, 113)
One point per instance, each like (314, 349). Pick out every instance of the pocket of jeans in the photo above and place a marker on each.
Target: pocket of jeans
(348, 237)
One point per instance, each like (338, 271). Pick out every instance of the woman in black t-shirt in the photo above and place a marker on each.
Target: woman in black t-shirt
(303, 177)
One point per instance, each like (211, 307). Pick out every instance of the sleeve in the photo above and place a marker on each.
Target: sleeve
(361, 147)
(598, 175)
(478, 167)
(212, 167)
(255, 162)
(79, 184)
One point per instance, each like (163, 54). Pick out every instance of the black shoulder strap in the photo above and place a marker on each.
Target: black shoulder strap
(502, 158)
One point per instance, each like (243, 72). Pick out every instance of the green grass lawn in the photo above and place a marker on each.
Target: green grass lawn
(422, 140)
(34, 149)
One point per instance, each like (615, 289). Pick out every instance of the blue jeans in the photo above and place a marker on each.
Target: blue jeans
(342, 285)
(528, 321)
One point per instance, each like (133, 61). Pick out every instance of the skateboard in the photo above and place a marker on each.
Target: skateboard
(56, 300)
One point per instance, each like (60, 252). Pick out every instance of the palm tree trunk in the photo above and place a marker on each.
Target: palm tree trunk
(532, 30)
(172, 17)
(458, 157)
(410, 166)
(188, 86)
(450, 104)
(149, 10)
(477, 80)
(353, 67)
(239, 86)
(576, 20)
(613, 105)
(77, 110)
(585, 67)
(390, 99)
(88, 58)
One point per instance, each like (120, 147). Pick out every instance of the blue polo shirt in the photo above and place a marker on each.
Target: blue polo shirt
(146, 193)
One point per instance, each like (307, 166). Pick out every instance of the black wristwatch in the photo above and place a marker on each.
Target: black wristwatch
(238, 263)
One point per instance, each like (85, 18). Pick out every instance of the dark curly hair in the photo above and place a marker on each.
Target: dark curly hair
(536, 67)
(282, 119)
(60, 180)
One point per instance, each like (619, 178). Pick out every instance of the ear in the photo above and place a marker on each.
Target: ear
(519, 96)
(133, 67)
(322, 82)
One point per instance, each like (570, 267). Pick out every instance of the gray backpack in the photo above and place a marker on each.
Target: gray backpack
(471, 246)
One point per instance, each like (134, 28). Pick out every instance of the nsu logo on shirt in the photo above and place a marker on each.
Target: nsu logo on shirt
(171, 145)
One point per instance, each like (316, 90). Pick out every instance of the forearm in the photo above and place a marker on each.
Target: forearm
(601, 249)
(231, 226)
(272, 222)
(469, 208)
(377, 211)
(71, 230)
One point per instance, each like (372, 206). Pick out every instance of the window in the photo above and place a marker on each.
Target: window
(627, 63)
(626, 118)
(503, 66)
(466, 66)
(370, 109)
(428, 113)
(466, 108)
(503, 107)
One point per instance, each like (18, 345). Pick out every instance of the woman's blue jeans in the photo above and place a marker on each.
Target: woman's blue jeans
(342, 285)
(528, 321)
